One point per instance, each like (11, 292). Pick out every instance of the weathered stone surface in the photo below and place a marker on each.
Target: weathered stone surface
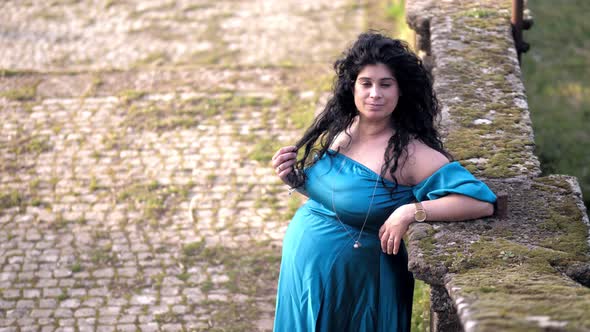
(443, 315)
(511, 269)
(478, 81)
(529, 270)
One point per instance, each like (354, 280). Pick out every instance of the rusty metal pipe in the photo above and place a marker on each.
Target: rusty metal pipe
(517, 26)
(517, 13)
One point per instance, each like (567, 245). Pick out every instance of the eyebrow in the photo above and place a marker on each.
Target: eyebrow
(381, 79)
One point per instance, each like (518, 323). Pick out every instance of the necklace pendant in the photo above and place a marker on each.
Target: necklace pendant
(356, 245)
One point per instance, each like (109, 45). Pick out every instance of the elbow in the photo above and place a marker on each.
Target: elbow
(488, 209)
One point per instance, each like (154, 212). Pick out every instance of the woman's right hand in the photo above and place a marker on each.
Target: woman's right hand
(283, 162)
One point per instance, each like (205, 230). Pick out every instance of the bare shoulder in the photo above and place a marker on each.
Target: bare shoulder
(341, 141)
(422, 161)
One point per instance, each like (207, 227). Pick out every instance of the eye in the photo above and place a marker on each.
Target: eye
(386, 85)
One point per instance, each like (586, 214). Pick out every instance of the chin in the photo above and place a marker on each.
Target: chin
(376, 115)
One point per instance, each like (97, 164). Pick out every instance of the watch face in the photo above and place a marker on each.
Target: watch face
(420, 215)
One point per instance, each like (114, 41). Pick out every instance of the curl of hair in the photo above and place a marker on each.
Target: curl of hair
(413, 117)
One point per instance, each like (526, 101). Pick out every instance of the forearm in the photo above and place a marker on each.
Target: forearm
(456, 208)
(300, 190)
(448, 208)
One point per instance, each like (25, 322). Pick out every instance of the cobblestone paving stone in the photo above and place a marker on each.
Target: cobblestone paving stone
(115, 115)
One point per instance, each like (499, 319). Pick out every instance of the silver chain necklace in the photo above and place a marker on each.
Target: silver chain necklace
(357, 243)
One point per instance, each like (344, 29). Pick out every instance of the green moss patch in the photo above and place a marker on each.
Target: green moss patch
(479, 13)
(554, 181)
(251, 271)
(127, 96)
(21, 93)
(531, 292)
(154, 199)
(11, 199)
(176, 113)
(32, 145)
(479, 89)
(570, 232)
(264, 150)
(552, 235)
(21, 199)
(512, 269)
(153, 59)
(103, 256)
(4, 72)
(299, 113)
(499, 253)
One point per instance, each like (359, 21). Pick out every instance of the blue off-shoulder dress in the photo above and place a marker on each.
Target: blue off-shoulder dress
(327, 285)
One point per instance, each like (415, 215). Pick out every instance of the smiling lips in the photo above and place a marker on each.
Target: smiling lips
(374, 105)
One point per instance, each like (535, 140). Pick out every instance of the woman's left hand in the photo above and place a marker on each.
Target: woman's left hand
(394, 228)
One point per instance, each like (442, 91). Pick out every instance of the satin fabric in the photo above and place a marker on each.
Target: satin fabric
(327, 285)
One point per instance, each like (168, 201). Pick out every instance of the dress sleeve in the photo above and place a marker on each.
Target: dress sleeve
(453, 178)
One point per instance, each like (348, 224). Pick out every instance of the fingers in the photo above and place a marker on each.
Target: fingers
(283, 160)
(384, 239)
(390, 243)
(284, 150)
(284, 168)
(283, 171)
(396, 243)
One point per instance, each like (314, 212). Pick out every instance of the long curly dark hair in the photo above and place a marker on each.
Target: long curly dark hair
(414, 115)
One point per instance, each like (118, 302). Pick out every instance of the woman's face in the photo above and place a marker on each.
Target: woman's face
(376, 92)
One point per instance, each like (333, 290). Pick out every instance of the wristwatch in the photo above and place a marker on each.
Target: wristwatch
(420, 213)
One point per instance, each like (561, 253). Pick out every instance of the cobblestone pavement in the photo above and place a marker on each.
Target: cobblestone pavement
(115, 115)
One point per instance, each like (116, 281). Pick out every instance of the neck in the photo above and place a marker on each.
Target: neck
(371, 130)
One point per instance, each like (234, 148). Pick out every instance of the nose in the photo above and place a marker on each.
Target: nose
(374, 92)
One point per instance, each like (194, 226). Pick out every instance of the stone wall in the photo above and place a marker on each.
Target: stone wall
(528, 270)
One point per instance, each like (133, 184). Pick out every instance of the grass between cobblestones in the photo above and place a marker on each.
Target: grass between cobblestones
(21, 94)
(248, 271)
(232, 289)
(11, 199)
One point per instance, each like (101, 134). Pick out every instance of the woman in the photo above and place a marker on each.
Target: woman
(367, 157)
